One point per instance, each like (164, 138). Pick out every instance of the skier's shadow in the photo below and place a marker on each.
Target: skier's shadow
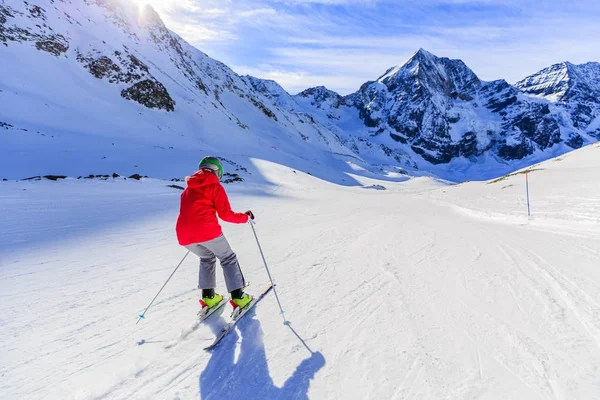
(249, 378)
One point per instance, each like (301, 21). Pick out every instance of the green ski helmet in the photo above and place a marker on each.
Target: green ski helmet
(213, 164)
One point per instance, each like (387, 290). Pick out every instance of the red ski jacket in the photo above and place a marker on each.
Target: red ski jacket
(203, 198)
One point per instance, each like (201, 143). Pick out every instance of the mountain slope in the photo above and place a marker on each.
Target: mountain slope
(477, 301)
(102, 86)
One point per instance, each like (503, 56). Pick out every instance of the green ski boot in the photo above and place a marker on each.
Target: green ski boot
(210, 298)
(241, 302)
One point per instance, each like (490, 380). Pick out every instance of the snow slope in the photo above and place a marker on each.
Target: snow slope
(101, 86)
(430, 291)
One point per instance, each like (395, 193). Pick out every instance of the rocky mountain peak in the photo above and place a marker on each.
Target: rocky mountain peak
(427, 73)
(564, 81)
(320, 95)
(552, 81)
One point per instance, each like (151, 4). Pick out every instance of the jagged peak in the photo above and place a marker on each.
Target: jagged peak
(322, 90)
(557, 81)
(260, 80)
(564, 67)
(420, 58)
(435, 73)
(265, 85)
(550, 81)
(423, 54)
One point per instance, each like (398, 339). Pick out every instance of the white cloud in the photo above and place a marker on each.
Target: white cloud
(303, 43)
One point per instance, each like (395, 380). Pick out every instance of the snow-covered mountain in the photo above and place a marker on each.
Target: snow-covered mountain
(98, 86)
(436, 114)
(575, 89)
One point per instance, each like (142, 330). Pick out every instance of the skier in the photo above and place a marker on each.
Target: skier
(199, 231)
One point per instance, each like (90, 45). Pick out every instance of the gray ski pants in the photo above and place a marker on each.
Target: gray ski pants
(209, 252)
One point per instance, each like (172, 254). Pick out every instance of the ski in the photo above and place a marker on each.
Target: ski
(227, 328)
(202, 315)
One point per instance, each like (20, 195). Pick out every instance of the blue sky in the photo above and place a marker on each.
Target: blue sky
(344, 43)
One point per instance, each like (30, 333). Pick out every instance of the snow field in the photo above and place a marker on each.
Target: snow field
(426, 294)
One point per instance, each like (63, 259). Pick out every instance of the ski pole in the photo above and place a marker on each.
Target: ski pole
(142, 315)
(268, 273)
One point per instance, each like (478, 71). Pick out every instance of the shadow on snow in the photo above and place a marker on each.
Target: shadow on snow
(249, 377)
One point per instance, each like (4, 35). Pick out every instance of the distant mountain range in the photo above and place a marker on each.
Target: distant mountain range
(437, 110)
(100, 84)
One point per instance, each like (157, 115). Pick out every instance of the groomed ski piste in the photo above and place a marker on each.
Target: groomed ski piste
(424, 290)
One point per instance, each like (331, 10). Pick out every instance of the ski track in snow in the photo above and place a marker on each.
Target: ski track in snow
(425, 296)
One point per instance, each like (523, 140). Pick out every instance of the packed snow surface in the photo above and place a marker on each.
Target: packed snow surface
(419, 291)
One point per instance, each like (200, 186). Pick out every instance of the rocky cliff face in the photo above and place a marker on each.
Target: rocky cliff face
(436, 111)
(575, 91)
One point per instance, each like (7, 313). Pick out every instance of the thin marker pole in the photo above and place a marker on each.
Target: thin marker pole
(527, 186)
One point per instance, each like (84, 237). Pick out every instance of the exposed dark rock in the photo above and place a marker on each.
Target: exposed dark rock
(258, 104)
(37, 12)
(54, 177)
(499, 104)
(237, 166)
(364, 114)
(575, 141)
(131, 69)
(45, 39)
(398, 138)
(230, 178)
(136, 64)
(375, 187)
(102, 66)
(515, 152)
(200, 85)
(467, 147)
(151, 94)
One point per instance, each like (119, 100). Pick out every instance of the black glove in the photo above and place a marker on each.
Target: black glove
(250, 214)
